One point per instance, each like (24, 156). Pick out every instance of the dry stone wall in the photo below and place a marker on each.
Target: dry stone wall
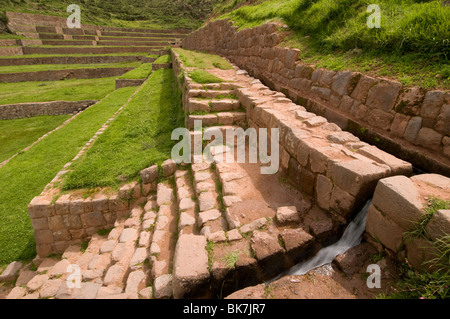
(24, 110)
(412, 123)
(330, 165)
(398, 206)
(30, 22)
(122, 83)
(74, 60)
(57, 75)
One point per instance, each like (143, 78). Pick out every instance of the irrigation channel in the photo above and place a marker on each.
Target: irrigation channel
(352, 237)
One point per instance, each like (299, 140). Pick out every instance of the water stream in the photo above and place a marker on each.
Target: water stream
(352, 237)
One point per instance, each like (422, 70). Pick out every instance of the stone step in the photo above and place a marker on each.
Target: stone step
(210, 217)
(221, 118)
(210, 94)
(164, 239)
(199, 105)
(187, 202)
(111, 266)
(191, 274)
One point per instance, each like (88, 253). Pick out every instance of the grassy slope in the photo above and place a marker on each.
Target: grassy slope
(54, 67)
(15, 135)
(141, 72)
(124, 13)
(138, 138)
(68, 90)
(411, 46)
(201, 60)
(26, 175)
(164, 59)
(73, 55)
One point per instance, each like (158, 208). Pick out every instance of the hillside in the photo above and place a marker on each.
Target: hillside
(124, 13)
(412, 44)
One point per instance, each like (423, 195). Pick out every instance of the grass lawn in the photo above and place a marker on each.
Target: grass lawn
(204, 77)
(15, 135)
(67, 90)
(202, 60)
(141, 72)
(164, 59)
(27, 174)
(54, 67)
(138, 138)
(72, 55)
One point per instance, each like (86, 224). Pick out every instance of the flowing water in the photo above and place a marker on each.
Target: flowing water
(351, 238)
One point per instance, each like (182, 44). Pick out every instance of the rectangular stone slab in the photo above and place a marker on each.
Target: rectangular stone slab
(190, 272)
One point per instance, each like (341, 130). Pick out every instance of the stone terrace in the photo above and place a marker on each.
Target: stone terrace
(245, 227)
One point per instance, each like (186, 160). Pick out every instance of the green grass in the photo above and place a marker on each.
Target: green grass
(204, 77)
(67, 90)
(164, 59)
(4, 36)
(412, 45)
(434, 204)
(410, 69)
(54, 67)
(160, 14)
(15, 135)
(141, 72)
(201, 60)
(231, 258)
(73, 55)
(27, 174)
(138, 138)
(432, 283)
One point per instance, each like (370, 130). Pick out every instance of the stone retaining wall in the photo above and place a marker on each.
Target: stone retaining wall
(82, 50)
(12, 50)
(24, 110)
(57, 75)
(157, 66)
(8, 42)
(31, 19)
(332, 166)
(75, 60)
(398, 205)
(122, 83)
(412, 123)
(66, 219)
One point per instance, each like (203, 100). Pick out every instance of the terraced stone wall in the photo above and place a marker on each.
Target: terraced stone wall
(59, 75)
(24, 110)
(330, 165)
(399, 205)
(409, 122)
(62, 220)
